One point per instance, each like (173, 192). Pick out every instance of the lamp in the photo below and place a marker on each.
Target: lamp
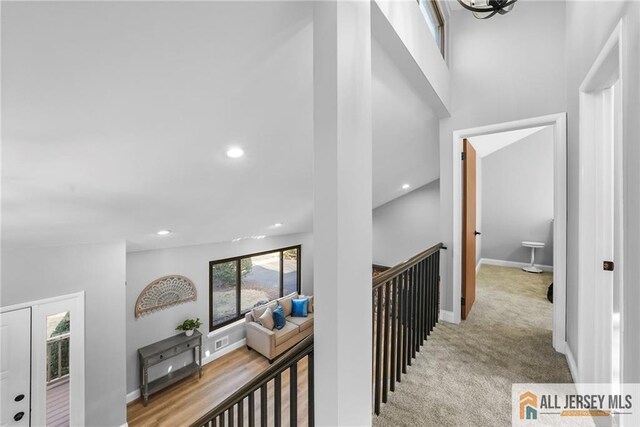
(485, 9)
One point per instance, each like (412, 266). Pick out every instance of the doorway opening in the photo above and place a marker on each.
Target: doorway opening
(557, 125)
(508, 218)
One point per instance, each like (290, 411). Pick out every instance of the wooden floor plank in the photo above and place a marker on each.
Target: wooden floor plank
(192, 397)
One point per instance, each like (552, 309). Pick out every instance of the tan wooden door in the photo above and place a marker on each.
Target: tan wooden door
(468, 229)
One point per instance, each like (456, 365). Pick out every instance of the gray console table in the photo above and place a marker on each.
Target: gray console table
(163, 350)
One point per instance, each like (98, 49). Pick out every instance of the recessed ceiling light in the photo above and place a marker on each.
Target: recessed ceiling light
(278, 224)
(235, 152)
(405, 186)
(163, 232)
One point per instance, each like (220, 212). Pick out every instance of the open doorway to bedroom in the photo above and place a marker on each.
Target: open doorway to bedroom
(508, 220)
(510, 201)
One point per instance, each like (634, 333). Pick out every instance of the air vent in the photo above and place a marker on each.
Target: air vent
(222, 342)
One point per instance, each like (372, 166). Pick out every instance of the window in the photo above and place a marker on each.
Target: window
(435, 21)
(236, 285)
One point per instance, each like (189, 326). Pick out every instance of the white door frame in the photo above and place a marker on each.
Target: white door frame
(39, 309)
(606, 70)
(559, 123)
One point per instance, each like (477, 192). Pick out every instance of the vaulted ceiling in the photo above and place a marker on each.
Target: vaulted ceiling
(117, 116)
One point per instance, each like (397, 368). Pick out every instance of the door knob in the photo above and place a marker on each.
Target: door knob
(18, 416)
(477, 233)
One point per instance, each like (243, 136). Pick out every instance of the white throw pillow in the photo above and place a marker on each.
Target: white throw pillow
(266, 319)
(259, 311)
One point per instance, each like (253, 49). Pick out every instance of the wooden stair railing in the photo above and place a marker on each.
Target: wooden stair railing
(405, 310)
(232, 410)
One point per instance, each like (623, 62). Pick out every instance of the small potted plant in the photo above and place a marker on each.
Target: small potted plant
(188, 326)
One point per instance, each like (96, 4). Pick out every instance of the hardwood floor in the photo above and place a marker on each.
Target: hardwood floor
(188, 400)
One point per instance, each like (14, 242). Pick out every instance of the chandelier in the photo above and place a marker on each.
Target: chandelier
(485, 9)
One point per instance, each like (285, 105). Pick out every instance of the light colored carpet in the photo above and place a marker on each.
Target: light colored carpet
(463, 375)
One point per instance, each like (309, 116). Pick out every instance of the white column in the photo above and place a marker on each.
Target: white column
(342, 212)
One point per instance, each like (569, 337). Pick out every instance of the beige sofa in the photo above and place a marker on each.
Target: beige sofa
(272, 343)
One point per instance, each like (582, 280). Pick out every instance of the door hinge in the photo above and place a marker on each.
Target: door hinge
(607, 265)
(463, 155)
(463, 301)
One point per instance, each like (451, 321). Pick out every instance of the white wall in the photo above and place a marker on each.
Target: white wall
(506, 68)
(192, 262)
(588, 26)
(407, 225)
(517, 196)
(405, 128)
(99, 271)
(411, 40)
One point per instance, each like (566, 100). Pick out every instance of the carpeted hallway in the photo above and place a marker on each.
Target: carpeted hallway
(463, 375)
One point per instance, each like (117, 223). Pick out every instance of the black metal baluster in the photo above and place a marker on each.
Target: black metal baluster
(434, 303)
(264, 412)
(214, 422)
(423, 302)
(427, 319)
(310, 385)
(437, 288)
(427, 284)
(385, 341)
(414, 299)
(221, 419)
(420, 307)
(394, 314)
(277, 406)
(399, 354)
(293, 395)
(405, 312)
(241, 413)
(409, 317)
(252, 409)
(378, 347)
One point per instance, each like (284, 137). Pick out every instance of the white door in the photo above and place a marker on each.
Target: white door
(15, 368)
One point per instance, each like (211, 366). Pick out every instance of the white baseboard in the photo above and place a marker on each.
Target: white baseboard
(447, 316)
(207, 359)
(135, 394)
(571, 361)
(503, 263)
(478, 265)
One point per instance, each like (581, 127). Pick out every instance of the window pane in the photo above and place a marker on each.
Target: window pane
(224, 280)
(57, 394)
(260, 280)
(433, 22)
(290, 266)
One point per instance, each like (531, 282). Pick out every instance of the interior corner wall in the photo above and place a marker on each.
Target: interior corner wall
(517, 199)
(506, 68)
(99, 271)
(407, 225)
(588, 26)
(192, 262)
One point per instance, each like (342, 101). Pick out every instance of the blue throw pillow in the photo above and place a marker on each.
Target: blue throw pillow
(299, 307)
(278, 318)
